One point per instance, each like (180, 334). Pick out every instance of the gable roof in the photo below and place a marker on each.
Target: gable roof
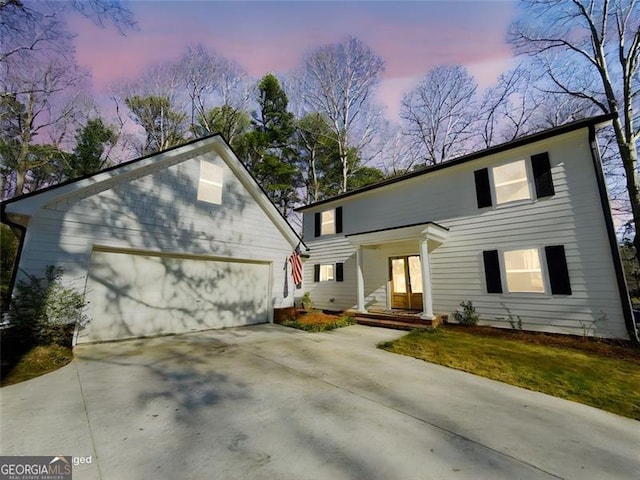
(29, 203)
(536, 137)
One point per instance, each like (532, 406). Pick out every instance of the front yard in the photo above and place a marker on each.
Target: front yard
(596, 373)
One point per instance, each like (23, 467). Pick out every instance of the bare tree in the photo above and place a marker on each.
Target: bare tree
(41, 85)
(556, 109)
(37, 106)
(39, 26)
(440, 112)
(163, 126)
(217, 89)
(339, 81)
(506, 110)
(157, 101)
(211, 81)
(589, 49)
(317, 145)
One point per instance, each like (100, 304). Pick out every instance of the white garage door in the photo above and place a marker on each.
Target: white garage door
(133, 295)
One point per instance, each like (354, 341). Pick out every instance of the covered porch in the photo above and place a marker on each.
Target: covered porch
(393, 270)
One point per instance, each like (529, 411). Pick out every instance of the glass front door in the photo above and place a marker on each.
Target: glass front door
(406, 282)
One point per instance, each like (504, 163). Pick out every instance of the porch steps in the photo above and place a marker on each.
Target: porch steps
(395, 321)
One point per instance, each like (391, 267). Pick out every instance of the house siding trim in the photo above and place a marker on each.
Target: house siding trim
(426, 224)
(613, 243)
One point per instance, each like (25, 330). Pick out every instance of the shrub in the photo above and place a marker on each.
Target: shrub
(44, 311)
(306, 301)
(468, 316)
(514, 320)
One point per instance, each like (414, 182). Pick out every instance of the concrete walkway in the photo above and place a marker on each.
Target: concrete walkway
(272, 402)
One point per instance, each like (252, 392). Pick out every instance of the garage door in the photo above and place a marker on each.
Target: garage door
(133, 295)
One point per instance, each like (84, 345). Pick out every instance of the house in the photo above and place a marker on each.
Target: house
(177, 241)
(523, 230)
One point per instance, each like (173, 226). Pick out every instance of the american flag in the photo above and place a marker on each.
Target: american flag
(296, 267)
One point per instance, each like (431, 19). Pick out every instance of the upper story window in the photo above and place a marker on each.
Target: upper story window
(514, 181)
(328, 222)
(210, 183)
(510, 182)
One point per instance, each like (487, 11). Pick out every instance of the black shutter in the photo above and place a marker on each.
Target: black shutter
(316, 273)
(483, 189)
(492, 271)
(339, 220)
(542, 175)
(317, 229)
(558, 271)
(339, 272)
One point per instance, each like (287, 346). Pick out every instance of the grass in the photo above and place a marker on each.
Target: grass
(33, 363)
(599, 374)
(317, 321)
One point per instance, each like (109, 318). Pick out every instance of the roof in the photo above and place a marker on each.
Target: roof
(104, 170)
(112, 173)
(536, 137)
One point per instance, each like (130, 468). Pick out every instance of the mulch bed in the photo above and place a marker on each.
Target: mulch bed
(317, 317)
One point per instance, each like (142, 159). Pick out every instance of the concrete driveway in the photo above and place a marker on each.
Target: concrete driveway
(268, 402)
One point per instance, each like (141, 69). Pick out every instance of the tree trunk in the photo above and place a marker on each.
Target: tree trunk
(342, 150)
(629, 156)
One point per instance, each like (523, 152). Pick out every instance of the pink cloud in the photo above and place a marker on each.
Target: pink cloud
(412, 37)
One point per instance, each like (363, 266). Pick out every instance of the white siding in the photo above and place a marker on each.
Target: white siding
(157, 211)
(572, 217)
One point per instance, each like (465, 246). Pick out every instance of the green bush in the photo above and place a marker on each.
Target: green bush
(45, 312)
(468, 316)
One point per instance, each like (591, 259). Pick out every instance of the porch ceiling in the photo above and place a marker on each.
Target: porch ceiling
(434, 233)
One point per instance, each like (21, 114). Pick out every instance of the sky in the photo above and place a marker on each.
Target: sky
(266, 36)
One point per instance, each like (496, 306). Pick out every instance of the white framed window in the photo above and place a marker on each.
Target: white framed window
(523, 271)
(328, 222)
(210, 183)
(511, 182)
(327, 273)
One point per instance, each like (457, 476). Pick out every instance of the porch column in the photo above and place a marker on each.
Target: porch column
(427, 297)
(360, 280)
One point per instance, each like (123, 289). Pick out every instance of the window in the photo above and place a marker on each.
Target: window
(515, 181)
(326, 273)
(328, 223)
(210, 183)
(510, 182)
(523, 271)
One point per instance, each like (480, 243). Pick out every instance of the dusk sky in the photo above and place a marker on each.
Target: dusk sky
(267, 36)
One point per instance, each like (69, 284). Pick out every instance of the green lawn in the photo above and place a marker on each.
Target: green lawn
(33, 363)
(601, 375)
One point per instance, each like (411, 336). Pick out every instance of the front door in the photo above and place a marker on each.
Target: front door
(406, 282)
